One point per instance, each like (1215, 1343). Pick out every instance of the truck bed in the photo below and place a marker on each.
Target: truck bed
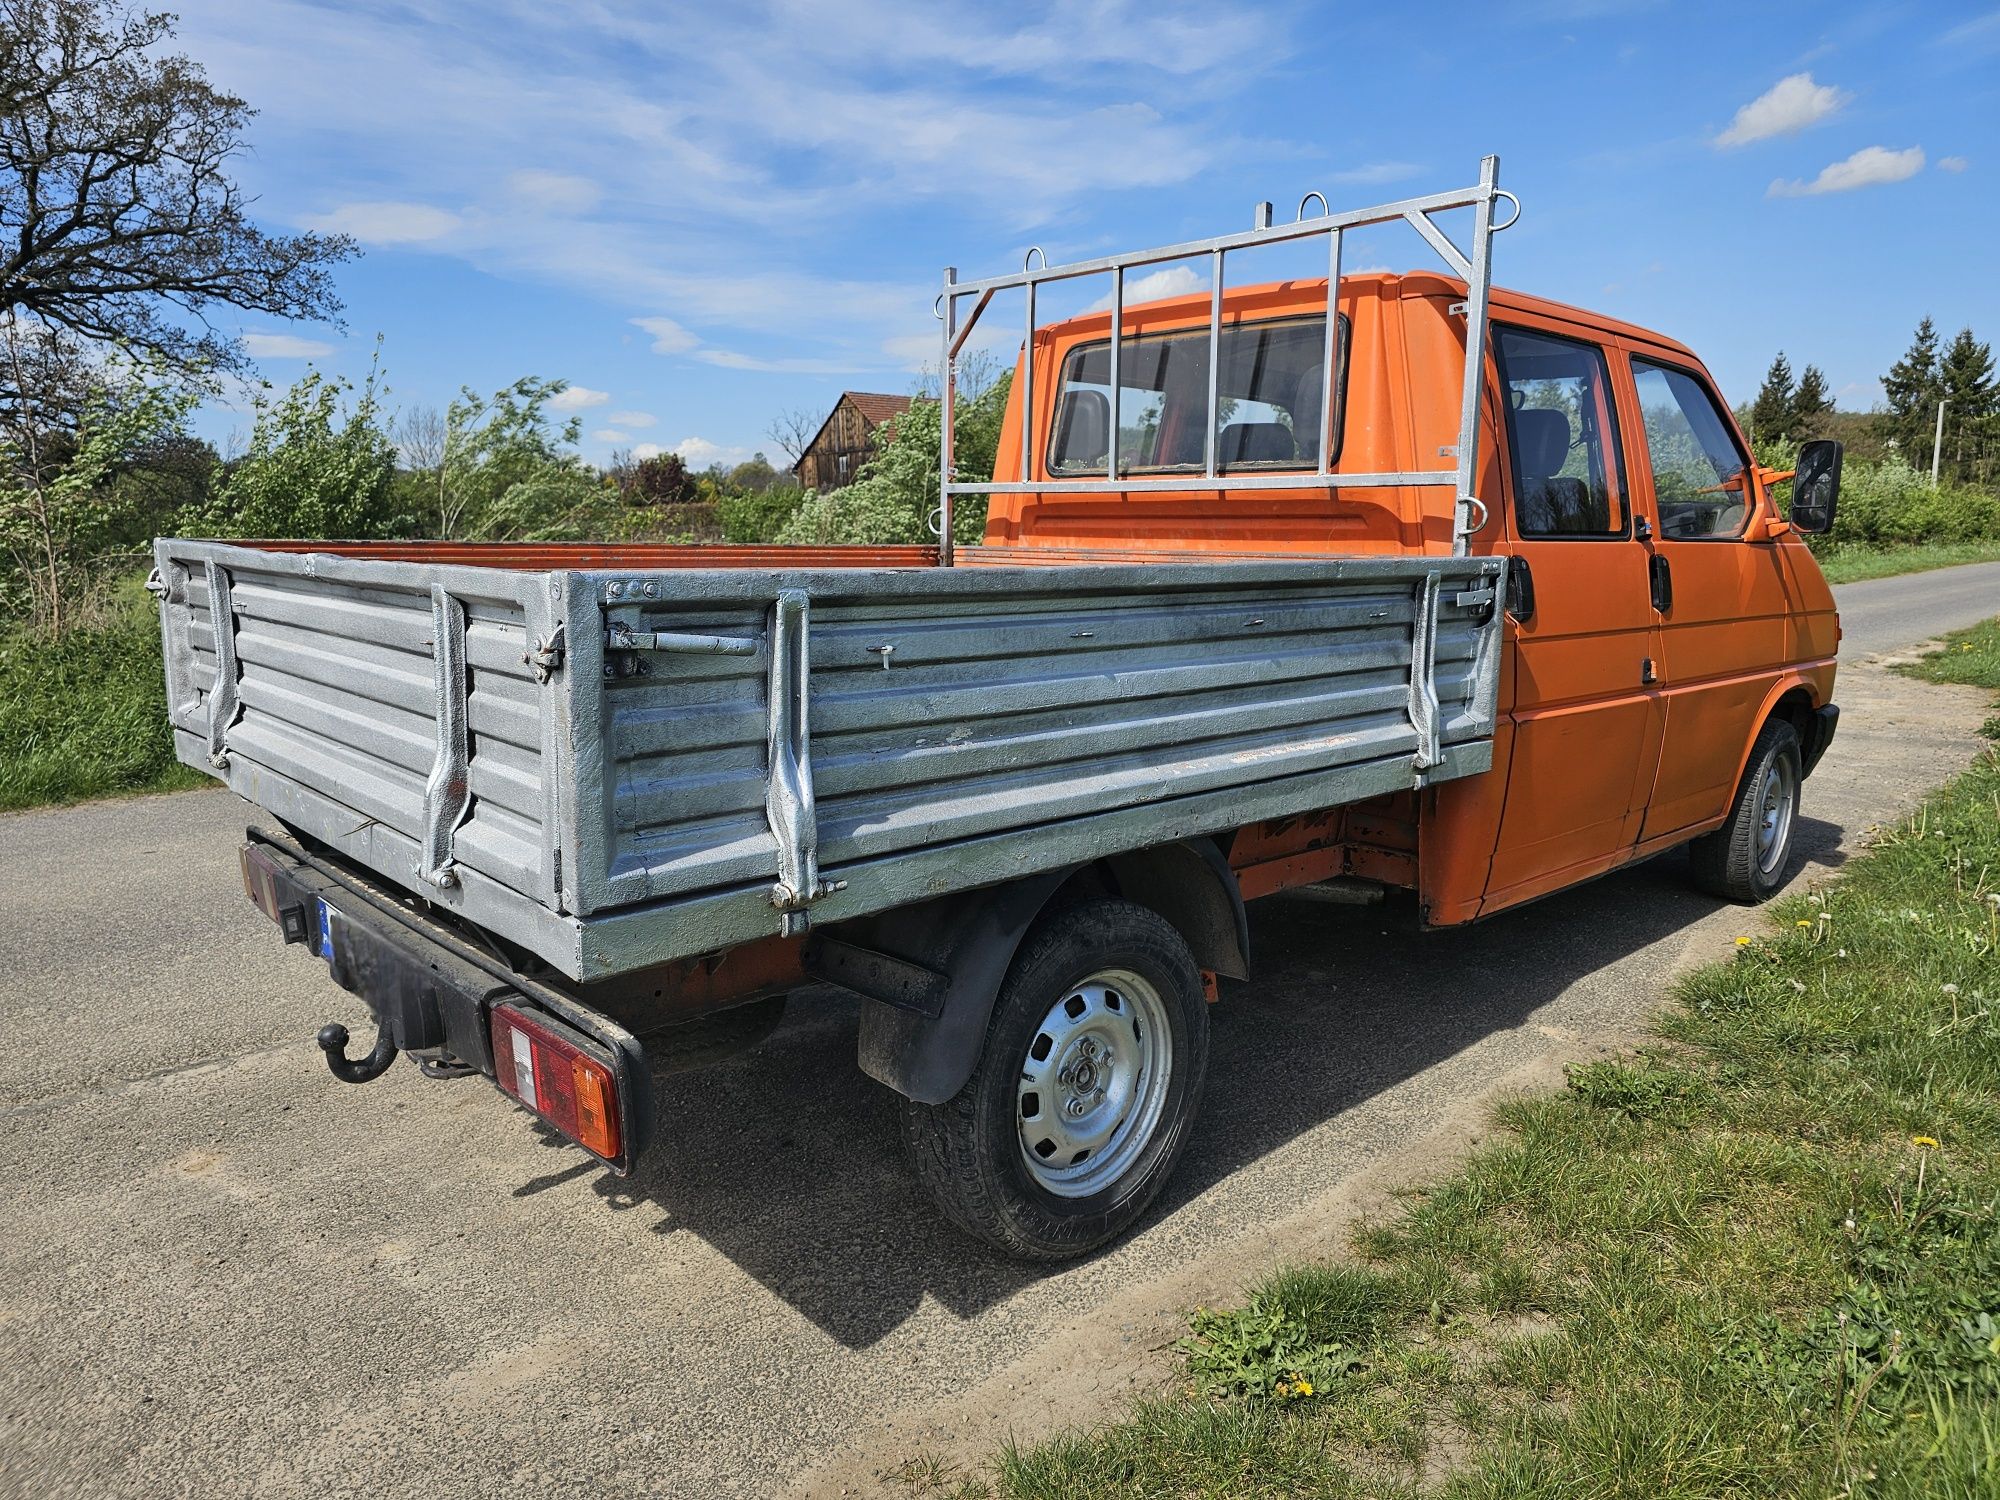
(620, 757)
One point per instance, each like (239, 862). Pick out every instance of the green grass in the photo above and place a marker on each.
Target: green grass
(1854, 561)
(1760, 1257)
(84, 714)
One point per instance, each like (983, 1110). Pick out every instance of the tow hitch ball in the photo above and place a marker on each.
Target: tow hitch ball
(333, 1042)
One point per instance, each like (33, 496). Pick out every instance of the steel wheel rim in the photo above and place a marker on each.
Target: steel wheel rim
(1094, 1083)
(1777, 795)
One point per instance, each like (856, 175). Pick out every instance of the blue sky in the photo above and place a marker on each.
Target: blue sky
(701, 215)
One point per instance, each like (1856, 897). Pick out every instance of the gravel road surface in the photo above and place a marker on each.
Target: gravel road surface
(224, 1273)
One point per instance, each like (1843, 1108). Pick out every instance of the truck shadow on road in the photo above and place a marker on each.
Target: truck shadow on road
(787, 1160)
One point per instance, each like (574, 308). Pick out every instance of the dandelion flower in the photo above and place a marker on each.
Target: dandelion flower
(1803, 922)
(1303, 1388)
(1743, 942)
(1925, 1142)
(1949, 989)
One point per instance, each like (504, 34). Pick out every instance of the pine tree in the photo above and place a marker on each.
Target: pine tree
(1771, 412)
(1966, 380)
(1810, 405)
(1912, 389)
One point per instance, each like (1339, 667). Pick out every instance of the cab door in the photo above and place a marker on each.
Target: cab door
(1586, 712)
(1725, 602)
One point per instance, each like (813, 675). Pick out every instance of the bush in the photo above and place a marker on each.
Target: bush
(84, 713)
(1892, 504)
(758, 515)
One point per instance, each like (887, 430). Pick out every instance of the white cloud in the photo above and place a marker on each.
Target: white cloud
(1869, 166)
(1174, 281)
(1787, 107)
(608, 435)
(699, 453)
(555, 192)
(283, 346)
(644, 451)
(632, 419)
(1952, 163)
(668, 336)
(577, 398)
(387, 223)
(731, 359)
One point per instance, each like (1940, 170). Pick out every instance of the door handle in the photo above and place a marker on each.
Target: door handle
(1662, 577)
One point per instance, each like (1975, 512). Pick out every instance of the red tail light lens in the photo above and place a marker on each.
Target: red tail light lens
(558, 1074)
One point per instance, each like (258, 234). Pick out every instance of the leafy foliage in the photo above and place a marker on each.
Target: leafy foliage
(896, 494)
(318, 464)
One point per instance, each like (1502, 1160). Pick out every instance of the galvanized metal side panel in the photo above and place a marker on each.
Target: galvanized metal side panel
(338, 692)
(952, 706)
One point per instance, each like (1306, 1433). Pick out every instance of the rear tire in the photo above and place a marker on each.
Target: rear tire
(1747, 857)
(1085, 1091)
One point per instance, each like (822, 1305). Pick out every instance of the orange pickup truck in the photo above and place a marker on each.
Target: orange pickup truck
(1404, 580)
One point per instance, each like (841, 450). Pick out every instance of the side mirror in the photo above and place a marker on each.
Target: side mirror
(1816, 485)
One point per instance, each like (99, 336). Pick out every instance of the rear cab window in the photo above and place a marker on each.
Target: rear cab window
(1270, 384)
(1701, 482)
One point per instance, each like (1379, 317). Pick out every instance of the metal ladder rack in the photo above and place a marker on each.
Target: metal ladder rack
(1475, 268)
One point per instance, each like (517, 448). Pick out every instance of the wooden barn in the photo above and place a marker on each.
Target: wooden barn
(846, 439)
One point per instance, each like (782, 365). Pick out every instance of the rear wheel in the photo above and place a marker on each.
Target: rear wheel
(1746, 858)
(1085, 1092)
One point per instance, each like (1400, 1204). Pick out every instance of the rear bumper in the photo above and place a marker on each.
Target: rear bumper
(430, 989)
(1819, 734)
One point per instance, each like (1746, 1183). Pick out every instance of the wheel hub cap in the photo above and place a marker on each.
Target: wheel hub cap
(1094, 1083)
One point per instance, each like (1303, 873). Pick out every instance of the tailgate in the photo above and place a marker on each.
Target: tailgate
(405, 723)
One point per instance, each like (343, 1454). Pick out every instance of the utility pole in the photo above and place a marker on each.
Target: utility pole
(1937, 442)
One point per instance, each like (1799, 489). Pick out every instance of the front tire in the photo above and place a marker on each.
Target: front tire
(1085, 1091)
(1746, 858)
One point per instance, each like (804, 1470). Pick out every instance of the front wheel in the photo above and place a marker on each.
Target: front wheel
(1746, 858)
(1085, 1092)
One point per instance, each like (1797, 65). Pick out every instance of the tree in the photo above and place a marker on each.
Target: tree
(753, 476)
(319, 464)
(1811, 404)
(793, 432)
(1911, 387)
(118, 221)
(505, 472)
(663, 479)
(1771, 412)
(59, 506)
(897, 492)
(1966, 380)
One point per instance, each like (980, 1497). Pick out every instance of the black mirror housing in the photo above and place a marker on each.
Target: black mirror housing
(1816, 485)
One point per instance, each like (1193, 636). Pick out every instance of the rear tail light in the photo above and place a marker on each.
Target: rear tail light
(562, 1076)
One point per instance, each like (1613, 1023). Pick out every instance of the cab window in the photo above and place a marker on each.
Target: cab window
(1562, 439)
(1700, 477)
(1269, 390)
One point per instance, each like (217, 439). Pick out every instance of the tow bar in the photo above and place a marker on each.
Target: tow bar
(333, 1042)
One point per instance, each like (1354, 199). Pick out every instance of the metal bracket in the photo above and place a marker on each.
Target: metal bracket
(545, 658)
(1423, 675)
(788, 795)
(448, 792)
(619, 636)
(223, 701)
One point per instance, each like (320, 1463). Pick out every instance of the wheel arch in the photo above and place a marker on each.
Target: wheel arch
(1792, 698)
(929, 973)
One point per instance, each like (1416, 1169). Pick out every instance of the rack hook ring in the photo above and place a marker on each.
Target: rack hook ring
(1325, 208)
(1033, 251)
(1511, 218)
(1485, 515)
(937, 307)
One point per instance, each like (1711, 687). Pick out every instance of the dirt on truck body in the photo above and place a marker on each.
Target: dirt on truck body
(1406, 581)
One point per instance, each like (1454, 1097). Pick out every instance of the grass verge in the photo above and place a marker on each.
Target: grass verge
(1854, 562)
(1761, 1257)
(84, 714)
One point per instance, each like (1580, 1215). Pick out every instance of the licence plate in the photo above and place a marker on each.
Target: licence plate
(326, 916)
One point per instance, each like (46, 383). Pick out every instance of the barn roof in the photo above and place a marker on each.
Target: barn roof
(877, 409)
